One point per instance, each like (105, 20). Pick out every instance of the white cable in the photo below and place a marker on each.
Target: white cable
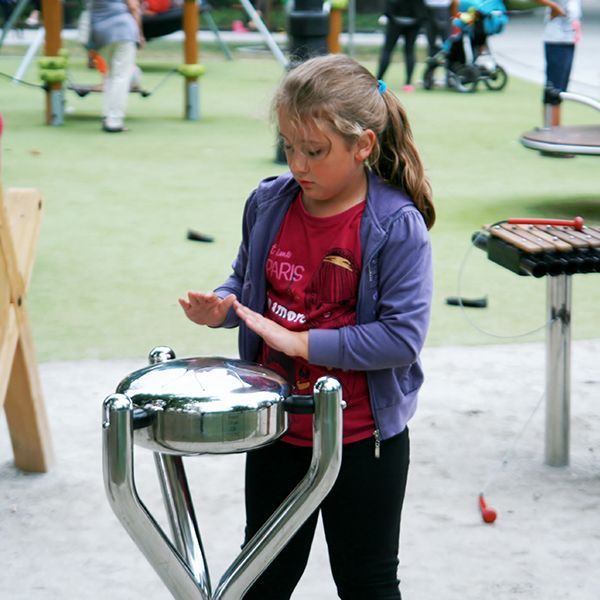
(468, 319)
(512, 447)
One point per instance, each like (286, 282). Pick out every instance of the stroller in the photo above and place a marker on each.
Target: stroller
(465, 54)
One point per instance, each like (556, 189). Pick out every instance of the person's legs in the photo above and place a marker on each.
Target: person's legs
(559, 60)
(272, 473)
(438, 26)
(410, 39)
(361, 517)
(431, 31)
(392, 33)
(121, 59)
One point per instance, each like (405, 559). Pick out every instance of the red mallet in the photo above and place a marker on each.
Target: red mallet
(487, 514)
(576, 223)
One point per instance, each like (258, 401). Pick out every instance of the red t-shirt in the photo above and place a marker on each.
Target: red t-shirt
(312, 274)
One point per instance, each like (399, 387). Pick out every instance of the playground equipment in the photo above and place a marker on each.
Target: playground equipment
(53, 64)
(556, 249)
(20, 389)
(193, 406)
(564, 140)
(164, 23)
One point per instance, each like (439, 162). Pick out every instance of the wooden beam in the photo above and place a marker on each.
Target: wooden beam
(20, 388)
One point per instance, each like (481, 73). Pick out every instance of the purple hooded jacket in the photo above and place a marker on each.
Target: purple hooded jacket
(394, 297)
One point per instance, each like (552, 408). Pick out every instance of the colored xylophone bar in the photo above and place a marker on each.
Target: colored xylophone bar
(539, 250)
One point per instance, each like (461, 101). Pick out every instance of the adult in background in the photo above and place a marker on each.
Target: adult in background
(116, 31)
(438, 23)
(404, 18)
(562, 30)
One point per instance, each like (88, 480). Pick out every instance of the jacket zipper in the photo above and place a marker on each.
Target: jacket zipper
(377, 443)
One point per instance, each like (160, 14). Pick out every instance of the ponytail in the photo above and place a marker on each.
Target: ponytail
(397, 159)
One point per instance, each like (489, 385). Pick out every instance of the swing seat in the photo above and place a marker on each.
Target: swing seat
(566, 139)
(573, 139)
(82, 90)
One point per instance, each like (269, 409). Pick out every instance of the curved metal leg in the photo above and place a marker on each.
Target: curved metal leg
(120, 488)
(303, 500)
(180, 511)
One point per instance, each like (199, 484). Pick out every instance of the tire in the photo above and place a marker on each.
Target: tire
(428, 77)
(464, 79)
(496, 80)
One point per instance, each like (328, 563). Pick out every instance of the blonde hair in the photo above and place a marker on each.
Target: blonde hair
(336, 91)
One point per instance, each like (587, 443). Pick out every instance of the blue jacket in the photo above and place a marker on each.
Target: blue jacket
(394, 297)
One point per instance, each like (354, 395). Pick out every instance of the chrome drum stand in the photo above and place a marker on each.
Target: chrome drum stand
(193, 406)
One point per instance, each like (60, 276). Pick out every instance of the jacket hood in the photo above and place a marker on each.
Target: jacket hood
(389, 202)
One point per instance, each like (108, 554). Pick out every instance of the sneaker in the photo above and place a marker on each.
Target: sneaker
(33, 20)
(108, 129)
(238, 27)
(408, 88)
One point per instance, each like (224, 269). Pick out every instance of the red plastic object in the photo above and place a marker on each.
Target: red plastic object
(487, 514)
(576, 223)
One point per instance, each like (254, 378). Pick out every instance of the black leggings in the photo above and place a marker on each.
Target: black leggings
(392, 33)
(361, 517)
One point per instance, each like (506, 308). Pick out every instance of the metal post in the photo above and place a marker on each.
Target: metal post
(265, 33)
(180, 511)
(558, 376)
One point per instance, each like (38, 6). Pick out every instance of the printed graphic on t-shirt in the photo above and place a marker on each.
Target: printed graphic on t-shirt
(313, 272)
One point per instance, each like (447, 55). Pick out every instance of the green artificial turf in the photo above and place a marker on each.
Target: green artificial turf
(113, 255)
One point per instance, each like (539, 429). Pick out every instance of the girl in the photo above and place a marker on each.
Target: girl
(333, 276)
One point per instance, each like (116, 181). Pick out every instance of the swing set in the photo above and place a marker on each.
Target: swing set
(187, 18)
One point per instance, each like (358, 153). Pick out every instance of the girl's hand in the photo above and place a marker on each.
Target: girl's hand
(206, 309)
(292, 343)
(577, 29)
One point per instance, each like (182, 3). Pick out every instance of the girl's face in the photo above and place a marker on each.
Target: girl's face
(330, 172)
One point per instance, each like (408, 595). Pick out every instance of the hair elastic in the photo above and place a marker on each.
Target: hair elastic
(382, 87)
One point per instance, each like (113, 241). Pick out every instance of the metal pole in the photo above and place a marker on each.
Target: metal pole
(302, 501)
(558, 376)
(38, 40)
(180, 511)
(266, 34)
(351, 26)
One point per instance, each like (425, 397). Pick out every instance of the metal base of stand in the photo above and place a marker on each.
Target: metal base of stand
(57, 107)
(558, 367)
(180, 561)
(192, 100)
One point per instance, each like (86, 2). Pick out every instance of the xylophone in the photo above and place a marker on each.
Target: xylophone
(540, 247)
(559, 249)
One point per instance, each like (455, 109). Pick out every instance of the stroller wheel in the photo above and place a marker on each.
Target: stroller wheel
(496, 80)
(464, 79)
(428, 77)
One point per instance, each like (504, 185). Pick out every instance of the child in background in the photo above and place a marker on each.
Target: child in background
(562, 30)
(333, 277)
